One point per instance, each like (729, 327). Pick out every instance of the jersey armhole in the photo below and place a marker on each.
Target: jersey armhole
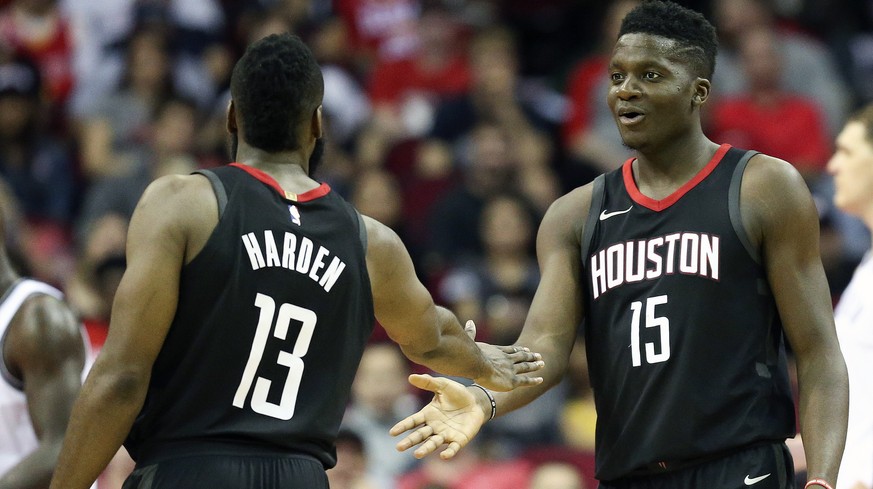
(218, 188)
(593, 212)
(734, 206)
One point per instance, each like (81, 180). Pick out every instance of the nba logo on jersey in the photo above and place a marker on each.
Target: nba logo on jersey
(295, 214)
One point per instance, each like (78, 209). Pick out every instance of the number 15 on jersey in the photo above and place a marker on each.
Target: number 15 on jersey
(652, 321)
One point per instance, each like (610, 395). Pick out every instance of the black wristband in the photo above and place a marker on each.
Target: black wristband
(490, 398)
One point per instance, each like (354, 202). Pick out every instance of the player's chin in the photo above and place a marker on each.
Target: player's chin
(634, 140)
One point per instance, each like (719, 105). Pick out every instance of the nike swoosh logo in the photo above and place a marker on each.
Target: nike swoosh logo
(754, 480)
(606, 215)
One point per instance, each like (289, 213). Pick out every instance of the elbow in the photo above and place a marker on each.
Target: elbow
(122, 385)
(419, 354)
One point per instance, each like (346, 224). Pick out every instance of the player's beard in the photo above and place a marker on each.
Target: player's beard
(316, 157)
(233, 145)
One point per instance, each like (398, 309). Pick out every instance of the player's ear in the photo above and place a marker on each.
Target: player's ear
(702, 88)
(232, 126)
(317, 123)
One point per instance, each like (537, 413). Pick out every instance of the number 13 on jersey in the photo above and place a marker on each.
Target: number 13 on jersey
(284, 410)
(652, 321)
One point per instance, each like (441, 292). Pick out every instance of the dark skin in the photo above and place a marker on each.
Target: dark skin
(777, 212)
(170, 226)
(44, 348)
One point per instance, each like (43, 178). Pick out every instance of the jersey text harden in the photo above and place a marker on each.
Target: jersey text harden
(297, 254)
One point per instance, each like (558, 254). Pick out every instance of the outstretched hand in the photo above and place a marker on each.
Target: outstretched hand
(510, 365)
(453, 417)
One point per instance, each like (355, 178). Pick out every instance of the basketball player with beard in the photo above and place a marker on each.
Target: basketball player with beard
(249, 295)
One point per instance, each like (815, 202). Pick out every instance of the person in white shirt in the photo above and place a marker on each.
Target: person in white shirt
(852, 169)
(43, 354)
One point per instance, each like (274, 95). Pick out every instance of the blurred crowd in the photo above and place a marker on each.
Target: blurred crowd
(455, 122)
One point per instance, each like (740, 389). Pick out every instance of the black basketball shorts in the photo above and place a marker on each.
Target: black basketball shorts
(766, 466)
(230, 472)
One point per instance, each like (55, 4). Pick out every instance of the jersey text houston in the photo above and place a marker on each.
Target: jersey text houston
(647, 259)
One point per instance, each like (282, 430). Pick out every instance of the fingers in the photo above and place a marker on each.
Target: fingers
(428, 383)
(407, 424)
(528, 367)
(414, 438)
(521, 381)
(452, 450)
(470, 329)
(429, 446)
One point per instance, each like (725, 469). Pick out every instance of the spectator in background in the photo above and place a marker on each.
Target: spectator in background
(113, 138)
(169, 152)
(471, 468)
(37, 29)
(494, 95)
(589, 133)
(96, 29)
(852, 167)
(380, 396)
(39, 170)
(351, 467)
(379, 30)
(556, 475)
(405, 92)
(495, 289)
(579, 414)
(36, 165)
(768, 118)
(101, 29)
(346, 105)
(808, 68)
(488, 170)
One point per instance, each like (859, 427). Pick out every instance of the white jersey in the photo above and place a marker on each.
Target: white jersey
(854, 319)
(17, 438)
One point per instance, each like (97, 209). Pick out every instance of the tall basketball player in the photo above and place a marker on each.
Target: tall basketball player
(687, 265)
(249, 295)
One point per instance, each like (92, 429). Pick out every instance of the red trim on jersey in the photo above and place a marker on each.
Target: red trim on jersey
(659, 205)
(313, 194)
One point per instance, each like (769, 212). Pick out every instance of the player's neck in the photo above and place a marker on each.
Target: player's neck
(288, 168)
(675, 161)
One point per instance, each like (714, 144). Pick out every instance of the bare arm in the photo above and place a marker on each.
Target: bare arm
(428, 334)
(556, 310)
(779, 213)
(455, 414)
(158, 240)
(45, 349)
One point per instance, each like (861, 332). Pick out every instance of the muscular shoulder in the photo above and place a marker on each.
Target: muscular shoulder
(382, 241)
(181, 195)
(567, 215)
(180, 207)
(772, 191)
(44, 330)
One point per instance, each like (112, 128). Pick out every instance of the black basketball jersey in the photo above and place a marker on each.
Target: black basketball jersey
(272, 320)
(684, 341)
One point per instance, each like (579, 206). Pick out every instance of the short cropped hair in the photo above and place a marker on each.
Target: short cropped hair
(864, 115)
(689, 29)
(275, 85)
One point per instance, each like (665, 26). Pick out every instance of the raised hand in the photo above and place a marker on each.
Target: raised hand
(453, 417)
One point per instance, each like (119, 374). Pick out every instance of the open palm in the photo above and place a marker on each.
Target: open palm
(452, 418)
